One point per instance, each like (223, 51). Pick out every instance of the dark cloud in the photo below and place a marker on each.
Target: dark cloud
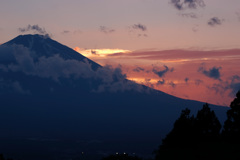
(188, 15)
(214, 21)
(138, 69)
(138, 30)
(160, 72)
(161, 82)
(211, 73)
(139, 27)
(148, 83)
(36, 28)
(234, 84)
(17, 58)
(106, 30)
(94, 52)
(172, 84)
(187, 4)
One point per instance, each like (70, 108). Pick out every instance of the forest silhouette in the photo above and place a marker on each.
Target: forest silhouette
(202, 137)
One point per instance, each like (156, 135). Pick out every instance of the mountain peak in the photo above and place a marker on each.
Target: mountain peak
(44, 46)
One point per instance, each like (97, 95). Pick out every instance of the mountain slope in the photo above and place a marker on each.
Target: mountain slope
(51, 96)
(44, 46)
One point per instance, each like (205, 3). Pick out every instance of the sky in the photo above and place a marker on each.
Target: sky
(187, 48)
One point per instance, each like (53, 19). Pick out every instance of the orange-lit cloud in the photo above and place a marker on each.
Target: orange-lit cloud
(185, 80)
(99, 52)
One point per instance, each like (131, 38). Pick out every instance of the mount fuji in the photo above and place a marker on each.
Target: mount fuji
(56, 104)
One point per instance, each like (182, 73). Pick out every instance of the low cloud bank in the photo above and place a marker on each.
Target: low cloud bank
(16, 58)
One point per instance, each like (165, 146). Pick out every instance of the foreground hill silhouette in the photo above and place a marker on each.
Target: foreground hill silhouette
(55, 102)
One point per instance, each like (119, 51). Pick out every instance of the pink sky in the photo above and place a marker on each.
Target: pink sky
(199, 40)
(208, 76)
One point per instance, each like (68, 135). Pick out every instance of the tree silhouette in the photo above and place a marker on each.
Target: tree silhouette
(207, 125)
(231, 131)
(191, 137)
(182, 131)
(1, 157)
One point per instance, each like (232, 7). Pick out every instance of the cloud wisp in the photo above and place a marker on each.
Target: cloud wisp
(106, 30)
(35, 28)
(211, 73)
(161, 73)
(140, 27)
(187, 4)
(138, 69)
(188, 15)
(214, 21)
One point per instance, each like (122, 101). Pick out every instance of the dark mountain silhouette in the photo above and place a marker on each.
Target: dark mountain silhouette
(54, 102)
(44, 46)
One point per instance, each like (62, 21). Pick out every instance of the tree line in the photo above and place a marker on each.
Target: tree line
(203, 137)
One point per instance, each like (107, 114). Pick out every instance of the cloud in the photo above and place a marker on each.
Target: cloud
(138, 69)
(172, 84)
(162, 73)
(213, 73)
(187, 4)
(35, 28)
(66, 32)
(188, 15)
(161, 82)
(140, 27)
(106, 30)
(214, 21)
(17, 58)
(147, 82)
(94, 52)
(234, 84)
(186, 79)
(138, 30)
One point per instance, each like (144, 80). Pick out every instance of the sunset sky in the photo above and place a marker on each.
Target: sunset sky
(187, 48)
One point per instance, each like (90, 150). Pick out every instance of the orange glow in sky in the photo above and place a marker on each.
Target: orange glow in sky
(99, 52)
(206, 76)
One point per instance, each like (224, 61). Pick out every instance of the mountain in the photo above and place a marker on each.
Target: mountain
(44, 46)
(56, 103)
